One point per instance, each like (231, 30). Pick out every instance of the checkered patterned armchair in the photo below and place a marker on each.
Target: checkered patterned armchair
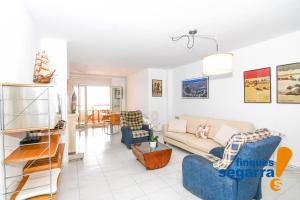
(132, 128)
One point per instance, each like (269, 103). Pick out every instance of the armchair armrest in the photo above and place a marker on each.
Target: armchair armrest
(146, 128)
(165, 128)
(126, 131)
(218, 152)
(126, 136)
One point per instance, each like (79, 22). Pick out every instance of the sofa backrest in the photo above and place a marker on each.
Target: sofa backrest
(194, 121)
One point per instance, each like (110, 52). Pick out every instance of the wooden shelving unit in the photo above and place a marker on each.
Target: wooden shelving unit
(39, 158)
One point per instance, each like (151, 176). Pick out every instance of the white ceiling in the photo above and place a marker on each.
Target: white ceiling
(117, 37)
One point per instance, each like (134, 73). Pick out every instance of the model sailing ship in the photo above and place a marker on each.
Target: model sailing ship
(42, 71)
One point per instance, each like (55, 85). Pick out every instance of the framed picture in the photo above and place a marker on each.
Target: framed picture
(156, 88)
(288, 83)
(195, 88)
(257, 86)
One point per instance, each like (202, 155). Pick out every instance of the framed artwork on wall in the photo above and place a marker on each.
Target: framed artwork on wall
(156, 88)
(197, 88)
(288, 83)
(257, 86)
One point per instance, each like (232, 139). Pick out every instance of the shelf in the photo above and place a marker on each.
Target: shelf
(19, 188)
(42, 129)
(35, 151)
(27, 84)
(23, 130)
(27, 186)
(43, 164)
(57, 130)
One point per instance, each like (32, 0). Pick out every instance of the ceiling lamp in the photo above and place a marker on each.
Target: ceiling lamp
(219, 63)
(216, 64)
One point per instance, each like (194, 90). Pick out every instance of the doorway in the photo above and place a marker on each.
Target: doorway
(93, 101)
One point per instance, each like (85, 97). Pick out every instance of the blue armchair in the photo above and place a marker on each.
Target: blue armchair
(204, 181)
(132, 128)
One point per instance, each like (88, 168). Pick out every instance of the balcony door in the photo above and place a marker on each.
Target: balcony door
(90, 99)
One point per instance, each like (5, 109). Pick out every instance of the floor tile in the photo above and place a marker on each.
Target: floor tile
(164, 194)
(128, 193)
(94, 191)
(70, 194)
(144, 176)
(121, 182)
(152, 186)
(179, 189)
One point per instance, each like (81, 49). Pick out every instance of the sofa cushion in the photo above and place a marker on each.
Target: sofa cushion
(203, 131)
(239, 125)
(178, 126)
(193, 122)
(205, 145)
(224, 134)
(181, 137)
(215, 124)
(140, 133)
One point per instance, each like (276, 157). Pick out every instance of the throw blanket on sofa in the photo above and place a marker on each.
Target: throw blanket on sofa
(236, 142)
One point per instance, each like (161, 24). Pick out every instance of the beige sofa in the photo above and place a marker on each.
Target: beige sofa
(191, 143)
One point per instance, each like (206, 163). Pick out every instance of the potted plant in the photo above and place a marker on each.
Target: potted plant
(153, 141)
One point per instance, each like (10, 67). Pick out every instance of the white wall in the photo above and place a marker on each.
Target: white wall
(139, 86)
(226, 95)
(138, 92)
(158, 105)
(18, 44)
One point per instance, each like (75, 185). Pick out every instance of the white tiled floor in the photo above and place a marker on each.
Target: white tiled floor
(110, 171)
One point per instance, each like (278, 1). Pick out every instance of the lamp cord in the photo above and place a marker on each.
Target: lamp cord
(192, 35)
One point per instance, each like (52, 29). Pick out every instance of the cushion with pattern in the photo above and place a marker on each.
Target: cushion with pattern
(202, 131)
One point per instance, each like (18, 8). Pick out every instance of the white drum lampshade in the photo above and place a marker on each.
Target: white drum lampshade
(220, 63)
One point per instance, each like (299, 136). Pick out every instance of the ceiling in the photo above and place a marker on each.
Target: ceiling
(118, 37)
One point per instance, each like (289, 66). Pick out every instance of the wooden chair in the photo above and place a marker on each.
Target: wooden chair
(115, 120)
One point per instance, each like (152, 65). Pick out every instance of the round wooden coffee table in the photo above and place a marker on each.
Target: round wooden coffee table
(152, 158)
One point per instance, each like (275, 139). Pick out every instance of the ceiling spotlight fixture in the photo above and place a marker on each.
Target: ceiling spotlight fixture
(218, 63)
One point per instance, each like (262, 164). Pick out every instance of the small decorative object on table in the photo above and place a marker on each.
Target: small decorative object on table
(153, 141)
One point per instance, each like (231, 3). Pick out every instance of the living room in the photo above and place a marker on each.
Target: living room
(150, 100)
